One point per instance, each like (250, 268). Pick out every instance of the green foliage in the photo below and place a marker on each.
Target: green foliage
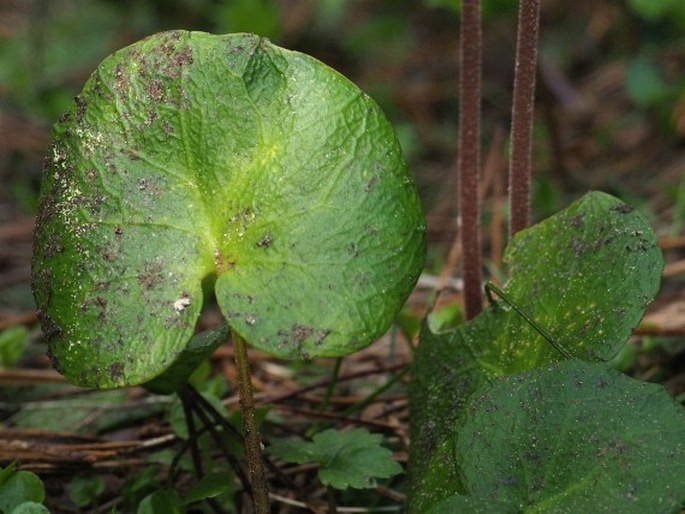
(446, 318)
(582, 278)
(293, 192)
(161, 502)
(13, 341)
(645, 83)
(198, 349)
(569, 438)
(20, 491)
(659, 10)
(167, 501)
(346, 459)
(651, 87)
(260, 17)
(177, 419)
(36, 65)
(573, 437)
(139, 486)
(83, 490)
(81, 409)
(210, 486)
(30, 508)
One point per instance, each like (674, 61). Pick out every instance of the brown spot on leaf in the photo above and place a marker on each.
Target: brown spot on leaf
(301, 333)
(116, 370)
(176, 63)
(50, 329)
(53, 246)
(151, 276)
(155, 90)
(370, 184)
(578, 247)
(577, 221)
(122, 81)
(320, 336)
(624, 208)
(80, 108)
(105, 253)
(265, 241)
(101, 305)
(150, 119)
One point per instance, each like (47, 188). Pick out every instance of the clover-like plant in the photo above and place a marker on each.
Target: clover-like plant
(190, 159)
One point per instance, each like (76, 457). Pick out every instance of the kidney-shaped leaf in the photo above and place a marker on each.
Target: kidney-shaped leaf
(189, 155)
(574, 437)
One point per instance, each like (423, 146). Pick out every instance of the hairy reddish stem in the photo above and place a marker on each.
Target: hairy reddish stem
(469, 154)
(253, 443)
(520, 163)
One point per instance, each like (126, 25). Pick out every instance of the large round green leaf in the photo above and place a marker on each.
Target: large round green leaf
(574, 437)
(189, 155)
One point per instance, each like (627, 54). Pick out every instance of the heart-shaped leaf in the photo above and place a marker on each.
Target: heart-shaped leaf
(574, 437)
(585, 275)
(189, 155)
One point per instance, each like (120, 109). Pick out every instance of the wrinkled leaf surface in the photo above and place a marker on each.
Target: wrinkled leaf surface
(585, 275)
(574, 437)
(189, 155)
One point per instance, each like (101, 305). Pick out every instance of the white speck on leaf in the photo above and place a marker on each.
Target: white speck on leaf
(181, 304)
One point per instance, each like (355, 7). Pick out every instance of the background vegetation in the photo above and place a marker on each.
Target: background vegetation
(610, 116)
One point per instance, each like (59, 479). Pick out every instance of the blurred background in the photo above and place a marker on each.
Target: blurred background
(611, 92)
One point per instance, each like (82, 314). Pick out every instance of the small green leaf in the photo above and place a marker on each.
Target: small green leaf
(210, 486)
(21, 487)
(574, 437)
(13, 341)
(30, 508)
(7, 471)
(161, 502)
(188, 156)
(645, 83)
(140, 485)
(297, 452)
(346, 459)
(84, 489)
(446, 318)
